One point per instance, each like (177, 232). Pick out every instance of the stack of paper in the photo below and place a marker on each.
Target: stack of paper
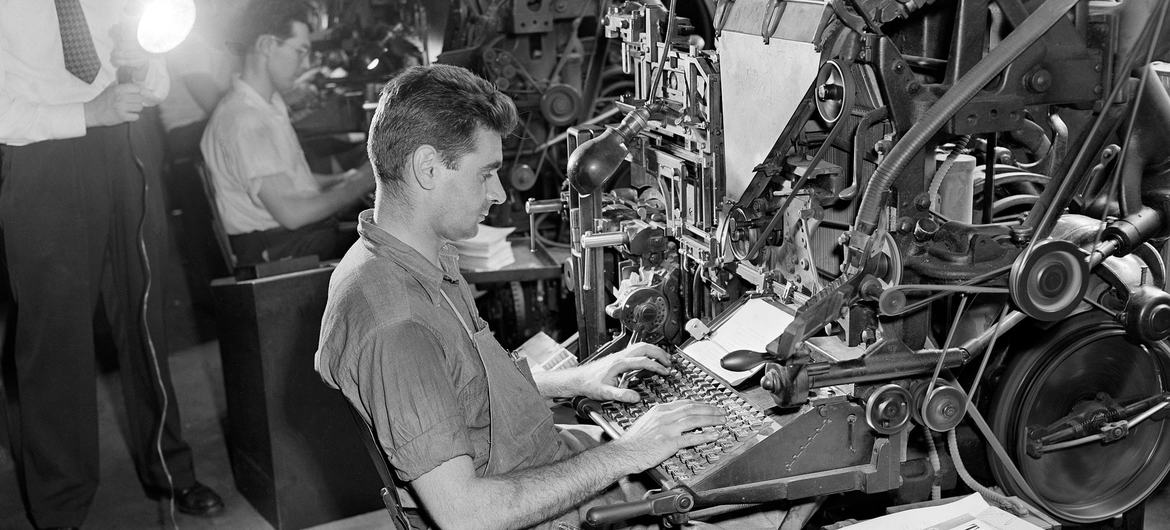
(488, 250)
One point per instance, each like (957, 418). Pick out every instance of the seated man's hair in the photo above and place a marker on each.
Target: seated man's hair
(268, 17)
(439, 105)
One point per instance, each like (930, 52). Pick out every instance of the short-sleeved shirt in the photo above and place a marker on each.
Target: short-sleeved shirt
(247, 139)
(393, 346)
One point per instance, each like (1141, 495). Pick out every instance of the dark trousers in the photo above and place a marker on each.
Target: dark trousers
(320, 239)
(69, 218)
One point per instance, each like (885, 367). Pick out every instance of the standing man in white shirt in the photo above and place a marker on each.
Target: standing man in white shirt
(272, 205)
(82, 224)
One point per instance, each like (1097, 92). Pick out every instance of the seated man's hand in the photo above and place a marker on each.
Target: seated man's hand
(668, 427)
(599, 379)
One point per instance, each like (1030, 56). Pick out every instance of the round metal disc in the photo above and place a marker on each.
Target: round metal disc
(1048, 281)
(943, 408)
(887, 410)
(830, 106)
(1066, 366)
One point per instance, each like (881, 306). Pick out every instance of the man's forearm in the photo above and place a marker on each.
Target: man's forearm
(527, 497)
(24, 122)
(557, 383)
(294, 212)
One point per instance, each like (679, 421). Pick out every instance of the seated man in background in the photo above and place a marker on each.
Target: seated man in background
(402, 340)
(271, 204)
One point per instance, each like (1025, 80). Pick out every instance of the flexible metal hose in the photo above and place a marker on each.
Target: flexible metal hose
(1031, 30)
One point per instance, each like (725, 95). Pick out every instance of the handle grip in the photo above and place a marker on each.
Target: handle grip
(665, 503)
(742, 360)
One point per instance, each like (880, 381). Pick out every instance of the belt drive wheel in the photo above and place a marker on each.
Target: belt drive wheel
(1063, 366)
(1048, 281)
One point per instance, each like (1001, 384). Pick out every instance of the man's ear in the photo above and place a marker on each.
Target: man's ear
(423, 163)
(265, 43)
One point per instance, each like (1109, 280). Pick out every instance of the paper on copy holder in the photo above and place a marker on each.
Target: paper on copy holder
(750, 327)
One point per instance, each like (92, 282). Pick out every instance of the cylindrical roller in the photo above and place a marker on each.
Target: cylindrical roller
(1047, 283)
(887, 409)
(940, 408)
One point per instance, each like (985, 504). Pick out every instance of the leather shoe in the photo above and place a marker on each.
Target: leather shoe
(196, 500)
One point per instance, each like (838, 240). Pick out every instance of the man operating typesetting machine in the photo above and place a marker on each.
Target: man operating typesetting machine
(926, 225)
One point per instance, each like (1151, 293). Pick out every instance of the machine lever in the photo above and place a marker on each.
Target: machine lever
(664, 503)
(743, 360)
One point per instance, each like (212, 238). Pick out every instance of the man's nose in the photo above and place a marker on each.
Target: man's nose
(495, 190)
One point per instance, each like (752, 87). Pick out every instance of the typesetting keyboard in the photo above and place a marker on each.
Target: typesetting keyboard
(746, 423)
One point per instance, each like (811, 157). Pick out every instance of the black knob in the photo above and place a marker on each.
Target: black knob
(742, 360)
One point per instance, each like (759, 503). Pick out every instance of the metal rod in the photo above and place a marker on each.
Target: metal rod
(591, 121)
(989, 180)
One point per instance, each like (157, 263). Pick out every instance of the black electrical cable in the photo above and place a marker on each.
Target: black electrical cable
(145, 324)
(1042, 218)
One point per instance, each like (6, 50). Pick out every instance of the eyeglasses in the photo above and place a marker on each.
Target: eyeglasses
(301, 51)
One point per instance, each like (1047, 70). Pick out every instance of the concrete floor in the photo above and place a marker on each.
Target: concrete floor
(120, 502)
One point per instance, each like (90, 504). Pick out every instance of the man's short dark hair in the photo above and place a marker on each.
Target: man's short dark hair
(269, 17)
(439, 105)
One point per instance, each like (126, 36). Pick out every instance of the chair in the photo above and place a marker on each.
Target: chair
(221, 236)
(389, 486)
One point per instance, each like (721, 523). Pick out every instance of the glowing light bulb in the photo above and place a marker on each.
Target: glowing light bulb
(164, 24)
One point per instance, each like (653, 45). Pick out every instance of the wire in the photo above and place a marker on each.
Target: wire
(162, 389)
(983, 362)
(935, 464)
(1013, 505)
(944, 168)
(946, 345)
(1137, 100)
(670, 28)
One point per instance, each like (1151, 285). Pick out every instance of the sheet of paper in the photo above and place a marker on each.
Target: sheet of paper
(968, 513)
(751, 327)
(545, 354)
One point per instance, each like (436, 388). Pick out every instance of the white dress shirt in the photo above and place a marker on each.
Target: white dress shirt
(39, 98)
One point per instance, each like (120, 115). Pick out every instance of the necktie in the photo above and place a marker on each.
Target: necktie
(81, 58)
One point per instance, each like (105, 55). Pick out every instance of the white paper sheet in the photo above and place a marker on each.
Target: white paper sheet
(968, 513)
(751, 327)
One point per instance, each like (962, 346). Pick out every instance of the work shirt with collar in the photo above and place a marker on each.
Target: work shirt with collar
(391, 343)
(39, 99)
(247, 139)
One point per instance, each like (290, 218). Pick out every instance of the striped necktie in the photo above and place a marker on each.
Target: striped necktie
(81, 58)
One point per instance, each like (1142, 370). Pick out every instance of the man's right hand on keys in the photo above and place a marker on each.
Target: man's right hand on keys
(665, 429)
